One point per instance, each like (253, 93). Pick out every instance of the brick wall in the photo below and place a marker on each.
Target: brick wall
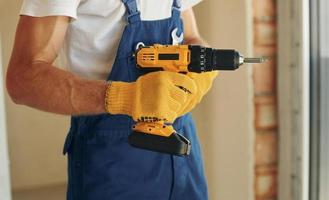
(265, 101)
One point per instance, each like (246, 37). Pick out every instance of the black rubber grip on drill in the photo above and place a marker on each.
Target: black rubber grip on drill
(175, 144)
(204, 59)
(225, 59)
(200, 59)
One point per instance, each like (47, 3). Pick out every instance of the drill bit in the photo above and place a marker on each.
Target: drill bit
(255, 60)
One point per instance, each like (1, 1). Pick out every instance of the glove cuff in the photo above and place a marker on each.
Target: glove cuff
(119, 97)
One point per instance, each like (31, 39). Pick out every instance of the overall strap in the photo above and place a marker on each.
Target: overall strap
(133, 13)
(176, 8)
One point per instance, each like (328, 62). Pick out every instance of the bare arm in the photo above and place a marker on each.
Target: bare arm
(32, 80)
(191, 32)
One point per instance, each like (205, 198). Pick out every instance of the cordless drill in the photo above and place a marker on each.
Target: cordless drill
(158, 136)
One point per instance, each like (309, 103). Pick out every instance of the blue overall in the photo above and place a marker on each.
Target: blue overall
(101, 163)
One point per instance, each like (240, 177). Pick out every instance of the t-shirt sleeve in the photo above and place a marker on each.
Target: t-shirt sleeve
(43, 8)
(186, 4)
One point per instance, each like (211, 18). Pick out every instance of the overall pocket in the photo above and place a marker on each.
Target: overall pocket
(115, 170)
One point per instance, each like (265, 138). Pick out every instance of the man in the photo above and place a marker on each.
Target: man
(105, 100)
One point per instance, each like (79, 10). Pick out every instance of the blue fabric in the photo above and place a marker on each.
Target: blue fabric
(101, 163)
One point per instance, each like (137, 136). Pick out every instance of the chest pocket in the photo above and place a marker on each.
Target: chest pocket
(101, 8)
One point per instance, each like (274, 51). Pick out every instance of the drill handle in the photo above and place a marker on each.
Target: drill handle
(160, 138)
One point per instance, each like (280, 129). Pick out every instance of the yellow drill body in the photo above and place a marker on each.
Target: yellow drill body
(175, 58)
(157, 136)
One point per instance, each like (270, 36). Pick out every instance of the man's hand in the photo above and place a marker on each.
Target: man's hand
(33, 81)
(157, 96)
(203, 80)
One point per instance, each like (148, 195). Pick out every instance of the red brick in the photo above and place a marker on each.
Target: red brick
(265, 99)
(265, 33)
(268, 51)
(264, 10)
(266, 119)
(265, 113)
(266, 182)
(266, 148)
(265, 74)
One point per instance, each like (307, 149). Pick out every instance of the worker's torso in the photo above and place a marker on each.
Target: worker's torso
(103, 165)
(92, 40)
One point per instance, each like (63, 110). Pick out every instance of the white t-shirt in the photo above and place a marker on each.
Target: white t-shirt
(93, 37)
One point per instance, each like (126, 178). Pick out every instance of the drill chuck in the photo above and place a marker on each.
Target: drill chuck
(226, 59)
(207, 59)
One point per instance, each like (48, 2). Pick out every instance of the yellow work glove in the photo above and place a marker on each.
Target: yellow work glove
(203, 82)
(157, 96)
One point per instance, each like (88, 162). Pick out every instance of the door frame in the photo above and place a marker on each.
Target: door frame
(5, 191)
(294, 103)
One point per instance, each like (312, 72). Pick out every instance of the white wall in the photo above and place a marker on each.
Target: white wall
(224, 119)
(4, 160)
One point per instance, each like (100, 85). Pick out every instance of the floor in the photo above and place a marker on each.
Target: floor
(48, 193)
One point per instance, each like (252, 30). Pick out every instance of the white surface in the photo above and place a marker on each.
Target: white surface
(284, 97)
(305, 123)
(294, 91)
(4, 160)
(92, 40)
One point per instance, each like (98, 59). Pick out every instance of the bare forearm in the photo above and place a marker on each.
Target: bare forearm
(33, 81)
(50, 89)
(197, 41)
